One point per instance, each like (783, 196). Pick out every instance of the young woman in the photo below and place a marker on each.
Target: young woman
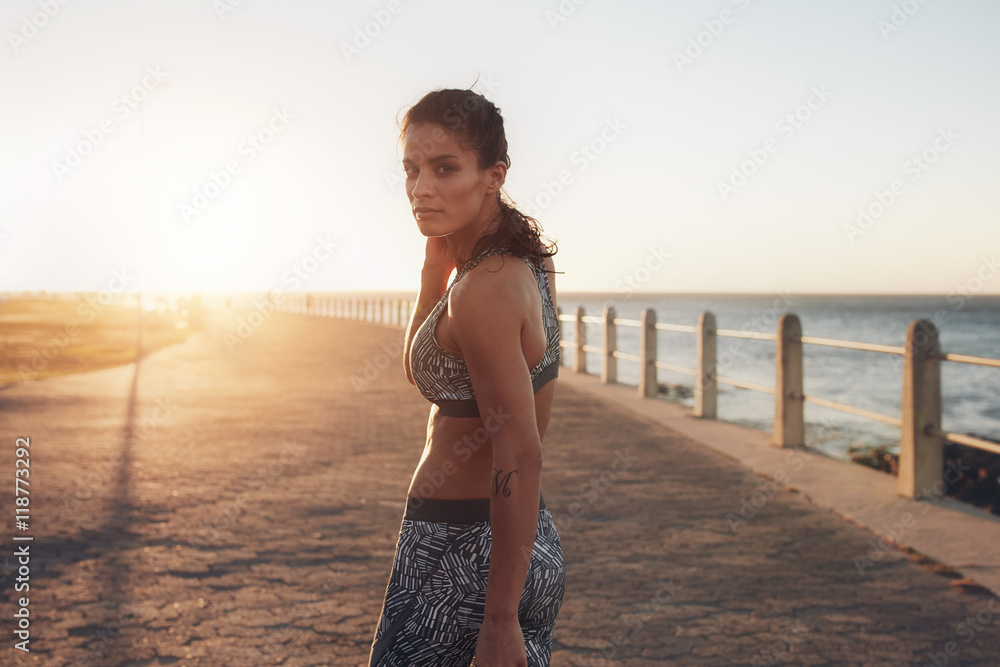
(478, 571)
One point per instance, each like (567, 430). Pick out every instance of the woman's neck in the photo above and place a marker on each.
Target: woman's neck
(462, 242)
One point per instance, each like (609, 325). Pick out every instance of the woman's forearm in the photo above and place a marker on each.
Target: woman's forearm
(514, 493)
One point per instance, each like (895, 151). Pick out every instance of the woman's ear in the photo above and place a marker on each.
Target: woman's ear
(498, 174)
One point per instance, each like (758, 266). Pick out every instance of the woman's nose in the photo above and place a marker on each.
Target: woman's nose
(421, 186)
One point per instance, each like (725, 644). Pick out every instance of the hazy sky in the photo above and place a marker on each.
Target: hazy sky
(717, 146)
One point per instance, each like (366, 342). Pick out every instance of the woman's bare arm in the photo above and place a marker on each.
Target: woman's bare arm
(489, 313)
(433, 282)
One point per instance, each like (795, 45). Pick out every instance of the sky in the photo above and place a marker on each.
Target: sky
(713, 146)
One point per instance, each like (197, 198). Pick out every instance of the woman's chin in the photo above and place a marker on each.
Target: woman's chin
(428, 229)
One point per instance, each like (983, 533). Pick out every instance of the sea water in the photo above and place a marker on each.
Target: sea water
(869, 380)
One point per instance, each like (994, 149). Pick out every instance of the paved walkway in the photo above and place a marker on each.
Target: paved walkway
(241, 508)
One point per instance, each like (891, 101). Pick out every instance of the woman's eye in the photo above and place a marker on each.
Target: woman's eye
(445, 169)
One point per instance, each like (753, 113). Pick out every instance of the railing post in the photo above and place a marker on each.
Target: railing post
(580, 358)
(706, 388)
(921, 456)
(789, 426)
(609, 371)
(647, 352)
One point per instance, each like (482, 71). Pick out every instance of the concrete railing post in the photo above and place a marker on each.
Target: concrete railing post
(706, 389)
(789, 425)
(647, 352)
(580, 358)
(609, 370)
(920, 454)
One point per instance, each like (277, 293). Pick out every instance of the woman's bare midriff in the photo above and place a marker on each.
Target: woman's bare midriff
(458, 455)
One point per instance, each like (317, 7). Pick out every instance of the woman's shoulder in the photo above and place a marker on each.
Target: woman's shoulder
(500, 275)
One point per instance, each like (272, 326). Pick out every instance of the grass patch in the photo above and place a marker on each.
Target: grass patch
(42, 338)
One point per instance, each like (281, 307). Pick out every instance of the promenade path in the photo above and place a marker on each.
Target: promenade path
(241, 508)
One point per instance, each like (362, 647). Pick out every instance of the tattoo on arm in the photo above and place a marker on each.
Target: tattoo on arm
(500, 482)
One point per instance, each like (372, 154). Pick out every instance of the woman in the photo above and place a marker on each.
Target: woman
(478, 571)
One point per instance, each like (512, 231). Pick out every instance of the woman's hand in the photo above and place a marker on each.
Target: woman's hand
(501, 644)
(437, 257)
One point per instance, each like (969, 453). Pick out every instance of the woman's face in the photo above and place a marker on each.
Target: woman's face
(447, 190)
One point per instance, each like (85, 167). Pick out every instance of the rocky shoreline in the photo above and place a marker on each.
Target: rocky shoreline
(979, 486)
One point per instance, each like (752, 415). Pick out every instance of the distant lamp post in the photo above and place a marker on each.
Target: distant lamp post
(138, 301)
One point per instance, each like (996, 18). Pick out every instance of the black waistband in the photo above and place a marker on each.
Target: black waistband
(441, 510)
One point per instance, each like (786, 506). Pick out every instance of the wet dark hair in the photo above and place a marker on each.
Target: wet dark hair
(478, 124)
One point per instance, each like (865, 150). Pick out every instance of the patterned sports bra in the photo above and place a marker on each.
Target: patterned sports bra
(443, 378)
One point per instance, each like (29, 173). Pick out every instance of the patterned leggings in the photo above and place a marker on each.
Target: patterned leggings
(436, 595)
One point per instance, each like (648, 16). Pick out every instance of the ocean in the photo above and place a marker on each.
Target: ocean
(873, 381)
